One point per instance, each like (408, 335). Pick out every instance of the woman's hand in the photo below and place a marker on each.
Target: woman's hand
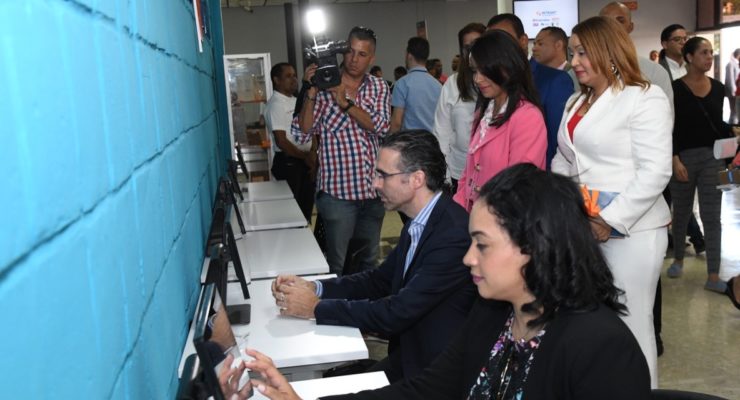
(274, 386)
(679, 170)
(228, 379)
(600, 229)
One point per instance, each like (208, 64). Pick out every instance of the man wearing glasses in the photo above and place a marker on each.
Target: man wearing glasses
(348, 120)
(672, 39)
(421, 294)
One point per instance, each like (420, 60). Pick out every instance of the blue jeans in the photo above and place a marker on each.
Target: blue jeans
(351, 219)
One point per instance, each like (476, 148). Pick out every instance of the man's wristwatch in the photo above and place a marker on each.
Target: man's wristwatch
(350, 104)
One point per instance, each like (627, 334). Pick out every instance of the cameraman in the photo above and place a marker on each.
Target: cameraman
(348, 119)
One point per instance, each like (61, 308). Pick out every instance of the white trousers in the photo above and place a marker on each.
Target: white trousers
(635, 263)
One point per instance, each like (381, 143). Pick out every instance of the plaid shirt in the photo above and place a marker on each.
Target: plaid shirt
(348, 152)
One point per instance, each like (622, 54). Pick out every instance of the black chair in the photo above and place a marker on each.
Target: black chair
(663, 394)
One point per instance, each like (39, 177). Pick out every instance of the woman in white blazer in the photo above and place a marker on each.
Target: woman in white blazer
(615, 138)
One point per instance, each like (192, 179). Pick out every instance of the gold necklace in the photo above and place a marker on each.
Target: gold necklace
(499, 394)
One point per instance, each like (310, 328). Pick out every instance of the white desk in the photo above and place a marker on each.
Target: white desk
(265, 215)
(299, 347)
(269, 190)
(315, 388)
(267, 254)
(294, 342)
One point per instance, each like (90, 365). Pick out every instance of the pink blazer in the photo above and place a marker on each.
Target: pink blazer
(523, 138)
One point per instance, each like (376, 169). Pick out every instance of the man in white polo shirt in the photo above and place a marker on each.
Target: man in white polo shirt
(295, 163)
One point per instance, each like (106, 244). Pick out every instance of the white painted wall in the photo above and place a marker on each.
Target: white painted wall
(393, 22)
(650, 18)
(263, 30)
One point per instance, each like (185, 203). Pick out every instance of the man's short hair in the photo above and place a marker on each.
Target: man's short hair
(430, 63)
(400, 71)
(277, 70)
(512, 19)
(364, 34)
(668, 31)
(420, 151)
(558, 34)
(375, 69)
(418, 47)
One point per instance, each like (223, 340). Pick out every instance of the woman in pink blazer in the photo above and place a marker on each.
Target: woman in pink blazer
(508, 127)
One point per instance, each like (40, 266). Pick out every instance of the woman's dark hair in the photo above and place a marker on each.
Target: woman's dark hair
(691, 46)
(498, 57)
(464, 73)
(544, 215)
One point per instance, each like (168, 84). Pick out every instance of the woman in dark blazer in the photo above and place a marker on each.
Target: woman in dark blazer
(547, 325)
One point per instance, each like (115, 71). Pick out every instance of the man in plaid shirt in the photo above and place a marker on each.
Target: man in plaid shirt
(349, 120)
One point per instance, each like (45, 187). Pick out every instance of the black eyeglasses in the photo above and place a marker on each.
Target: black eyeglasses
(363, 30)
(384, 175)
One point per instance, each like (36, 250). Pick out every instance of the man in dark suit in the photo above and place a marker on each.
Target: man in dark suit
(421, 294)
(553, 85)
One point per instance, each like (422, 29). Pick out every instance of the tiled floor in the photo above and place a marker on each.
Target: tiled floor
(701, 329)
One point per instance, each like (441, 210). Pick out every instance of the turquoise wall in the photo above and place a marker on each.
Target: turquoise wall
(111, 143)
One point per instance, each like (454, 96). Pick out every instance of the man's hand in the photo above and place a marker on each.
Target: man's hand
(228, 379)
(296, 301)
(274, 385)
(339, 93)
(290, 280)
(308, 75)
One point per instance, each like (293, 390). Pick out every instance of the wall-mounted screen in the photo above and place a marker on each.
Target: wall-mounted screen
(538, 14)
(729, 11)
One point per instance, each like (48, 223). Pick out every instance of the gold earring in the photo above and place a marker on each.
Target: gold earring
(615, 71)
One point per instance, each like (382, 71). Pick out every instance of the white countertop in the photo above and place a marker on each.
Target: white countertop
(267, 254)
(289, 341)
(268, 190)
(270, 214)
(315, 388)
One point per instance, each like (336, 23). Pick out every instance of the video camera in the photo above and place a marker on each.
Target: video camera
(324, 54)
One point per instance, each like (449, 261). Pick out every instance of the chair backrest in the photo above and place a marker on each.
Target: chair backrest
(663, 394)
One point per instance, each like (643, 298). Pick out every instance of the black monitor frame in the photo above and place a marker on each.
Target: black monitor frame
(223, 250)
(234, 176)
(241, 163)
(225, 192)
(209, 305)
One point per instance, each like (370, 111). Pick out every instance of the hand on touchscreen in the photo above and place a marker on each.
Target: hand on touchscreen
(234, 380)
(273, 384)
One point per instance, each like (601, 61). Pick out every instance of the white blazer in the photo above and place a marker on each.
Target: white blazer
(623, 144)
